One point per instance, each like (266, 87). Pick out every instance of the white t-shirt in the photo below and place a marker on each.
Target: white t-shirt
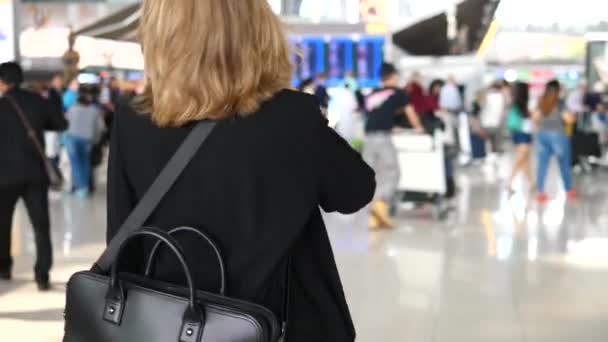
(449, 98)
(52, 144)
(345, 106)
(493, 111)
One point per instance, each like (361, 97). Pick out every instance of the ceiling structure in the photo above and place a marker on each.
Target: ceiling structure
(469, 24)
(425, 37)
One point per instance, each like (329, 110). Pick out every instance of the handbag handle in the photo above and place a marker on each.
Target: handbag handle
(193, 320)
(210, 242)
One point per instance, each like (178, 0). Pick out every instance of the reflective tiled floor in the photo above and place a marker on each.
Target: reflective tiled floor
(499, 268)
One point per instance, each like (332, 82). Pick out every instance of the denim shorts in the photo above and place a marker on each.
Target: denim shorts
(521, 138)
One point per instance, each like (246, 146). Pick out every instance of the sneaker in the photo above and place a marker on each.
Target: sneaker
(542, 197)
(572, 194)
(82, 193)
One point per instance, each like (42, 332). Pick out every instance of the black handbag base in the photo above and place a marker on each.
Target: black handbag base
(154, 313)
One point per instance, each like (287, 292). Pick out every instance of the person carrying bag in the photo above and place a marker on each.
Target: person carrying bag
(140, 309)
(255, 188)
(25, 170)
(53, 173)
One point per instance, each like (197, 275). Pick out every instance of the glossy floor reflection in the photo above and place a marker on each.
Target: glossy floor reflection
(499, 268)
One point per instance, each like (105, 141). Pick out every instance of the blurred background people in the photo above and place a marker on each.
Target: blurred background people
(53, 139)
(348, 113)
(519, 125)
(22, 171)
(593, 98)
(84, 128)
(492, 116)
(384, 105)
(102, 139)
(434, 93)
(551, 119)
(477, 134)
(307, 86)
(450, 98)
(70, 95)
(56, 89)
(575, 102)
(109, 97)
(352, 84)
(321, 92)
(420, 100)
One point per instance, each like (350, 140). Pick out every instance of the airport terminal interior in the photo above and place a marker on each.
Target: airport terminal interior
(498, 269)
(471, 253)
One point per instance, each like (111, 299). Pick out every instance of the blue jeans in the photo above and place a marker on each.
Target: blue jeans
(553, 143)
(79, 150)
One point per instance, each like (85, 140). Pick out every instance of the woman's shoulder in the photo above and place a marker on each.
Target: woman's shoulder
(295, 99)
(129, 120)
(285, 107)
(292, 105)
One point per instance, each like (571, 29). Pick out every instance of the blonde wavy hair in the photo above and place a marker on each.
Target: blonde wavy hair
(210, 59)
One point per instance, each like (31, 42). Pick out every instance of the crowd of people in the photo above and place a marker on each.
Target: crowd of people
(255, 164)
(546, 122)
(500, 110)
(89, 109)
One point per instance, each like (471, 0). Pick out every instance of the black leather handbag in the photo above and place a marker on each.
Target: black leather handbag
(122, 307)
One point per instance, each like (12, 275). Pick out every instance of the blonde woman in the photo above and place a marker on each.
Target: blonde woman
(257, 183)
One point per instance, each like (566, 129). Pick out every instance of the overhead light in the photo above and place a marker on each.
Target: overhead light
(511, 75)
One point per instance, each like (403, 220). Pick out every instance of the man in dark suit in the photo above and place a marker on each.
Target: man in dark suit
(22, 171)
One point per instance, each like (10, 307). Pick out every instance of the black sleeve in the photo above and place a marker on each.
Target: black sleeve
(402, 98)
(55, 120)
(346, 182)
(322, 96)
(55, 99)
(120, 200)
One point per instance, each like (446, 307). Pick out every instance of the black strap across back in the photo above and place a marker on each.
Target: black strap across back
(159, 188)
(154, 195)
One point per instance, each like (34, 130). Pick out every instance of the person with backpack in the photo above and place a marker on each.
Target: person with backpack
(551, 119)
(519, 124)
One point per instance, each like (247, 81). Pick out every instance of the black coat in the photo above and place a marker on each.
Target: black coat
(256, 187)
(20, 163)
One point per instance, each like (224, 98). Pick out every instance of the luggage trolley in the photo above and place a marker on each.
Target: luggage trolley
(421, 160)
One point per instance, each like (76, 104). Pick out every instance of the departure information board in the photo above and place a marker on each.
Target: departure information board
(338, 56)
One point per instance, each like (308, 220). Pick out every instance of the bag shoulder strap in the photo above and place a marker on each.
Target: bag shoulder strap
(286, 300)
(29, 129)
(159, 188)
